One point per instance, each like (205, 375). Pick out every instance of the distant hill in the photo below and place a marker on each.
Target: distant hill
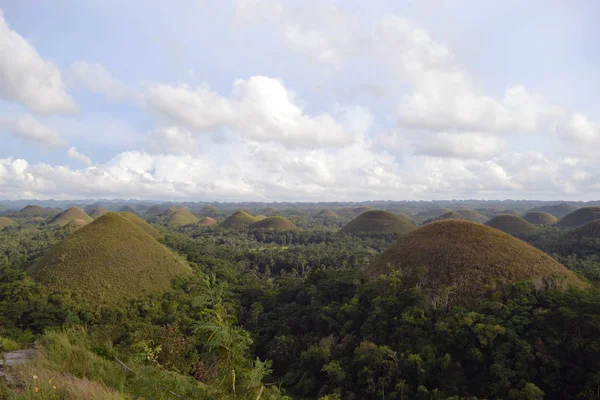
(430, 214)
(590, 230)
(327, 212)
(75, 224)
(180, 217)
(580, 217)
(540, 218)
(210, 212)
(69, 215)
(109, 261)
(128, 209)
(465, 215)
(37, 211)
(98, 212)
(239, 220)
(274, 223)
(377, 221)
(512, 225)
(558, 210)
(4, 222)
(207, 221)
(493, 211)
(467, 262)
(146, 227)
(154, 210)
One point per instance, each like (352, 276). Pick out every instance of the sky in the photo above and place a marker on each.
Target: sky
(273, 100)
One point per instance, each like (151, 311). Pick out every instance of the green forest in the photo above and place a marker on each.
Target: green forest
(305, 306)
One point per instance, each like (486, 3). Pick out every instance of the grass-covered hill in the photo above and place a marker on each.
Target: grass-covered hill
(512, 225)
(590, 230)
(155, 210)
(377, 221)
(207, 221)
(128, 209)
(274, 223)
(210, 211)
(146, 227)
(327, 212)
(540, 218)
(69, 215)
(180, 217)
(580, 217)
(463, 214)
(239, 220)
(37, 211)
(109, 261)
(98, 212)
(468, 261)
(558, 210)
(75, 224)
(4, 222)
(430, 214)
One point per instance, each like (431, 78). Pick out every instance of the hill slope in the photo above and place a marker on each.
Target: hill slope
(108, 261)
(98, 212)
(207, 221)
(274, 223)
(180, 217)
(239, 220)
(327, 212)
(4, 222)
(540, 218)
(580, 217)
(146, 227)
(590, 230)
(69, 215)
(511, 224)
(377, 221)
(469, 260)
(558, 210)
(37, 211)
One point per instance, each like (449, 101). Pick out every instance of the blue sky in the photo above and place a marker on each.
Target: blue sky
(299, 100)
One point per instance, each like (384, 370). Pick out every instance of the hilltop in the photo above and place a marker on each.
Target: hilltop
(239, 220)
(37, 211)
(146, 227)
(75, 224)
(210, 212)
(468, 261)
(327, 212)
(580, 217)
(108, 261)
(558, 210)
(540, 218)
(98, 212)
(465, 215)
(511, 224)
(128, 209)
(180, 217)
(69, 215)
(377, 221)
(207, 221)
(274, 223)
(4, 222)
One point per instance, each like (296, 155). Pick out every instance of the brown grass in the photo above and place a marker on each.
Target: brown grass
(4, 222)
(377, 221)
(207, 221)
(239, 220)
(469, 261)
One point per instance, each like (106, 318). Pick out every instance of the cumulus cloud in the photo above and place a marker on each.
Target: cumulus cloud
(73, 153)
(260, 108)
(95, 78)
(171, 139)
(580, 130)
(28, 128)
(26, 78)
(460, 145)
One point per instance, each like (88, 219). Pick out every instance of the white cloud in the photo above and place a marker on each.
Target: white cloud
(171, 139)
(259, 108)
(95, 78)
(73, 153)
(27, 78)
(460, 145)
(28, 128)
(580, 130)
